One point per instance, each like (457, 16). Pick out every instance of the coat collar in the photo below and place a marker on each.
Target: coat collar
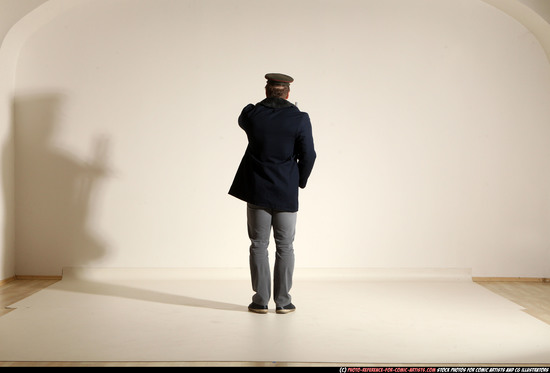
(275, 103)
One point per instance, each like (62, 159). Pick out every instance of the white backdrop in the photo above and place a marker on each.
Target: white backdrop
(430, 119)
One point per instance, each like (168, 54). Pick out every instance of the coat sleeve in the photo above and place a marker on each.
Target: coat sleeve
(305, 150)
(243, 118)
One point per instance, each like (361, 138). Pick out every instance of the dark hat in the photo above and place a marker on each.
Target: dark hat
(276, 78)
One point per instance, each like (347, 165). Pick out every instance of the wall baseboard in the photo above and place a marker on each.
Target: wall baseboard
(510, 279)
(7, 280)
(18, 277)
(475, 279)
(30, 277)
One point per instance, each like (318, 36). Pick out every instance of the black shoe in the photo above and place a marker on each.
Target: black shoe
(253, 307)
(286, 309)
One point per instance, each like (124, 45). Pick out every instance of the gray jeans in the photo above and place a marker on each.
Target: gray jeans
(260, 221)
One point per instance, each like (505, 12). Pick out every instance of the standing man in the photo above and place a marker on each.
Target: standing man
(278, 160)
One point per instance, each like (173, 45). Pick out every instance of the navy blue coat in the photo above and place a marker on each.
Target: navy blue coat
(279, 157)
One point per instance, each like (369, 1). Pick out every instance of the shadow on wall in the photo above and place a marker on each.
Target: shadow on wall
(54, 191)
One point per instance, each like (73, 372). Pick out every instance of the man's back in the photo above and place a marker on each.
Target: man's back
(279, 156)
(272, 129)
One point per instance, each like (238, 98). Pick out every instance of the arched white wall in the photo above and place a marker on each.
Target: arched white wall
(533, 14)
(430, 120)
(541, 7)
(11, 12)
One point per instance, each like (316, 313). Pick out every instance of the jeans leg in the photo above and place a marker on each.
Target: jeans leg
(284, 228)
(259, 230)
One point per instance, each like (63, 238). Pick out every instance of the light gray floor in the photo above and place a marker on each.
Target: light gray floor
(366, 317)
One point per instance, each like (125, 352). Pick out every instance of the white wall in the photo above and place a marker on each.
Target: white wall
(430, 119)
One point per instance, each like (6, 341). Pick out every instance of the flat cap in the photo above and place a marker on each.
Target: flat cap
(276, 78)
